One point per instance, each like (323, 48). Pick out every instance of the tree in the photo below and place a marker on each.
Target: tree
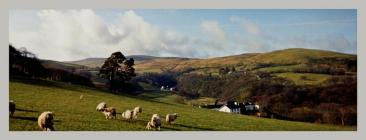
(117, 69)
(233, 69)
(25, 63)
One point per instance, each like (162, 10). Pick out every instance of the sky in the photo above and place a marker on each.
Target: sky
(68, 35)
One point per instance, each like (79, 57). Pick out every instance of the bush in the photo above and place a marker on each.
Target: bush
(157, 79)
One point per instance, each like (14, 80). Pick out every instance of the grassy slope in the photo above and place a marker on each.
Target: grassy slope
(305, 78)
(159, 64)
(287, 56)
(71, 113)
(90, 62)
(295, 55)
(61, 65)
(279, 69)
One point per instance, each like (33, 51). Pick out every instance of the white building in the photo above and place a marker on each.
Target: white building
(230, 108)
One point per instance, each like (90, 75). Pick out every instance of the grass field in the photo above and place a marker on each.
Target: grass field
(305, 78)
(280, 69)
(75, 114)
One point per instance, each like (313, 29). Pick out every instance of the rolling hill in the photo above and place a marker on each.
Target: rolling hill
(32, 97)
(280, 57)
(89, 62)
(296, 55)
(280, 61)
(97, 62)
(61, 65)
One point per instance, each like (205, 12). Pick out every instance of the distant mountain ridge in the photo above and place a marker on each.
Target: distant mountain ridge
(97, 62)
(145, 63)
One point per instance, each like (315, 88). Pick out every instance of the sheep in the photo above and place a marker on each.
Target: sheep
(258, 114)
(171, 118)
(101, 106)
(11, 107)
(155, 122)
(137, 110)
(45, 121)
(127, 115)
(81, 97)
(109, 112)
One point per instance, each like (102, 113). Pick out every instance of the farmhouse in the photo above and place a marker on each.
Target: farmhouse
(166, 88)
(249, 108)
(230, 107)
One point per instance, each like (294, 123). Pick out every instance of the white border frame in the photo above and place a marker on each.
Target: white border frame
(6, 5)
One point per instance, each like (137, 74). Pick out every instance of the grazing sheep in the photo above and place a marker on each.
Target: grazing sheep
(45, 121)
(127, 115)
(171, 117)
(136, 111)
(81, 97)
(101, 106)
(110, 113)
(11, 107)
(258, 114)
(155, 122)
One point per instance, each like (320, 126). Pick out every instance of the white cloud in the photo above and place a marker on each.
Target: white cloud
(78, 34)
(67, 35)
(248, 25)
(213, 28)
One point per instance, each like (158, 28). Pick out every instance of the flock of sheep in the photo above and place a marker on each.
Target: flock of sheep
(45, 120)
(129, 115)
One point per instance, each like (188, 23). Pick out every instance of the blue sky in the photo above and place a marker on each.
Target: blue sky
(78, 34)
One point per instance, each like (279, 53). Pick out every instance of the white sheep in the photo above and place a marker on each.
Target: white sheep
(101, 106)
(127, 115)
(45, 121)
(11, 107)
(258, 114)
(155, 122)
(137, 110)
(110, 113)
(171, 118)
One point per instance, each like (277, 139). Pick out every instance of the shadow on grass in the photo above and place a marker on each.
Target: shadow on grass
(140, 122)
(150, 96)
(153, 95)
(26, 118)
(34, 119)
(170, 127)
(44, 83)
(25, 110)
(193, 127)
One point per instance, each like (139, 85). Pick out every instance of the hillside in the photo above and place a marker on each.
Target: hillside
(296, 55)
(61, 65)
(97, 62)
(296, 64)
(89, 62)
(289, 57)
(75, 114)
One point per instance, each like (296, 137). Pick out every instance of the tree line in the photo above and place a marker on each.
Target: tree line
(25, 64)
(334, 101)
